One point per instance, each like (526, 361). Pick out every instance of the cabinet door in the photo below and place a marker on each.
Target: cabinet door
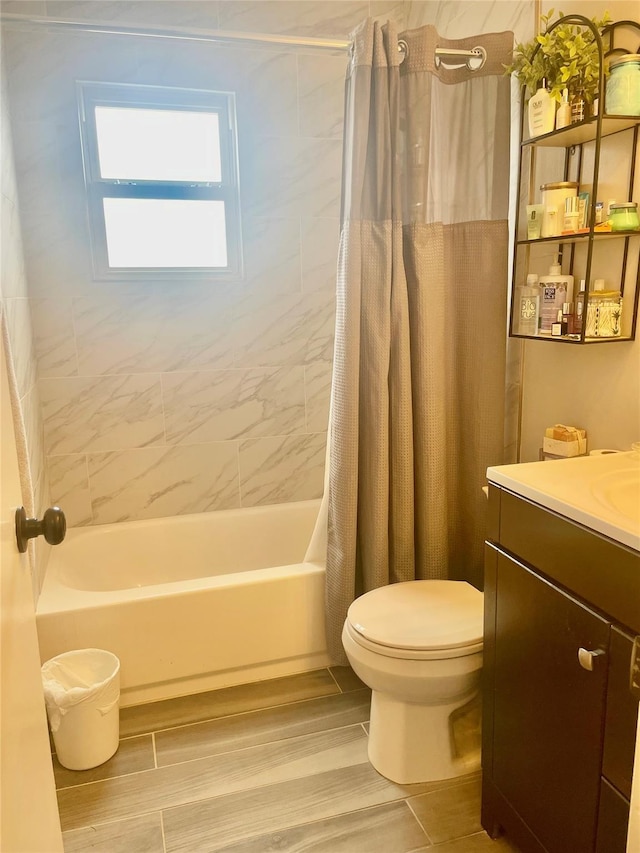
(548, 710)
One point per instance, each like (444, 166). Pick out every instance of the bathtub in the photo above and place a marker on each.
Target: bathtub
(190, 603)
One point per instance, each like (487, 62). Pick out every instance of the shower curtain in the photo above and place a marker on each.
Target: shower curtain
(418, 386)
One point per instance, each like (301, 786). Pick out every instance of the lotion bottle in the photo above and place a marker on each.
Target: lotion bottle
(555, 290)
(542, 112)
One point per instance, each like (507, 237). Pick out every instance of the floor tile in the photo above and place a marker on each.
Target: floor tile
(188, 782)
(215, 824)
(256, 727)
(389, 828)
(139, 835)
(451, 812)
(133, 754)
(140, 719)
(346, 678)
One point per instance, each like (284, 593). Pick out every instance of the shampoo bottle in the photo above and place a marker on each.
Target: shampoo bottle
(542, 112)
(555, 290)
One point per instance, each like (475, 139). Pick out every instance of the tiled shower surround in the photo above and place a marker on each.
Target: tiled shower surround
(166, 398)
(163, 398)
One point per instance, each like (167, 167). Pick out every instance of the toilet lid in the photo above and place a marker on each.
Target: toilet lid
(420, 615)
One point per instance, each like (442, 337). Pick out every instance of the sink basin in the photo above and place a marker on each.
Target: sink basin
(619, 491)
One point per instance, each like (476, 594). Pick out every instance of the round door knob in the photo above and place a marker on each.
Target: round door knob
(52, 526)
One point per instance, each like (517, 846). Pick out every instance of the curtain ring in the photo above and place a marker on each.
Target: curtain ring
(480, 58)
(403, 48)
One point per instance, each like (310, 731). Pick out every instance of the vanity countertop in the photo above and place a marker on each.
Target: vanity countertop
(600, 492)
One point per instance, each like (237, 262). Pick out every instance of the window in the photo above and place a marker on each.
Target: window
(161, 175)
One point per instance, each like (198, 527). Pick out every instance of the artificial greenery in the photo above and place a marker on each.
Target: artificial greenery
(568, 58)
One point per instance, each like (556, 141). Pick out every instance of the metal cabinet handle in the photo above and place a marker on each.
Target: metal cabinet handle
(586, 657)
(53, 527)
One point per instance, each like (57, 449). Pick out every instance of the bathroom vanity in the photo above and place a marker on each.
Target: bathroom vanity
(562, 608)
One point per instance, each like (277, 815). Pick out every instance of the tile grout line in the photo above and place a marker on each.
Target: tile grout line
(164, 840)
(155, 754)
(335, 679)
(408, 804)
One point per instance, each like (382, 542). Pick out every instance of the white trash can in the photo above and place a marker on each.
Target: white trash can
(82, 694)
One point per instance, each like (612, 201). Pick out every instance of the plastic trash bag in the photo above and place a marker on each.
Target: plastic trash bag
(80, 676)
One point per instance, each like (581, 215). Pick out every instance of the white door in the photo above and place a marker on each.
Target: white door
(29, 821)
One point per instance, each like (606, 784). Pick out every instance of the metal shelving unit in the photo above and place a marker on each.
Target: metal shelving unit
(572, 139)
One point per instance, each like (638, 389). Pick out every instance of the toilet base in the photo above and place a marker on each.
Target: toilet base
(411, 743)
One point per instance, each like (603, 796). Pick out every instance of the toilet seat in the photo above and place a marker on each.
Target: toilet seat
(419, 620)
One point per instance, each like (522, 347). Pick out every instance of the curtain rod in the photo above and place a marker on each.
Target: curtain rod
(177, 32)
(229, 36)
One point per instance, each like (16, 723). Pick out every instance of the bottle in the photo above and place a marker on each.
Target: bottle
(578, 108)
(567, 319)
(542, 112)
(563, 116)
(556, 328)
(555, 290)
(571, 221)
(550, 222)
(528, 306)
(578, 316)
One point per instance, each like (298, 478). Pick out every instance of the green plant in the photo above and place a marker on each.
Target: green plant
(567, 58)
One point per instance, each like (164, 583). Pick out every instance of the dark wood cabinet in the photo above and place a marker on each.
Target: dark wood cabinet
(559, 718)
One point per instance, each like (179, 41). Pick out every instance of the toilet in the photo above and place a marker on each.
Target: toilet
(418, 646)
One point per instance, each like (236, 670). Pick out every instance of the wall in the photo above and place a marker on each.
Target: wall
(173, 398)
(598, 386)
(15, 305)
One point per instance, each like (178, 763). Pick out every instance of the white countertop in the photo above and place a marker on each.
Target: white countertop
(600, 492)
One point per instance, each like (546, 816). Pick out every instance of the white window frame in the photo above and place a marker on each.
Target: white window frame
(94, 94)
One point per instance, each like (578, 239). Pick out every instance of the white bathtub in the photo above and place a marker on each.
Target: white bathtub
(190, 603)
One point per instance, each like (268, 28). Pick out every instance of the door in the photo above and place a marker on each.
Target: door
(29, 821)
(548, 710)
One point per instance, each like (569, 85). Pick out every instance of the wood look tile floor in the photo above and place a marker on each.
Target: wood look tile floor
(279, 765)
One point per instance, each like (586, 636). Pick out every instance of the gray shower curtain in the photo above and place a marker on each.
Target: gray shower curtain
(418, 386)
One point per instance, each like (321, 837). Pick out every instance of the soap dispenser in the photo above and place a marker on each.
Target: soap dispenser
(555, 290)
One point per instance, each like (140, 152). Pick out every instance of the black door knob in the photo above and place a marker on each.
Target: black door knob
(52, 526)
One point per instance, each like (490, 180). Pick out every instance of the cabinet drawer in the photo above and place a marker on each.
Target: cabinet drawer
(621, 716)
(603, 573)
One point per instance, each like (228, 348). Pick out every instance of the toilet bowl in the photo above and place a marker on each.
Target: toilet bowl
(418, 646)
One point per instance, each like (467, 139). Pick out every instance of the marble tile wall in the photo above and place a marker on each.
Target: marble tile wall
(166, 398)
(15, 305)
